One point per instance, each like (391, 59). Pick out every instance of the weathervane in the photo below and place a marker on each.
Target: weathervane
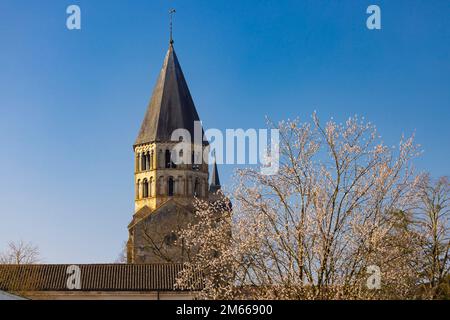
(171, 12)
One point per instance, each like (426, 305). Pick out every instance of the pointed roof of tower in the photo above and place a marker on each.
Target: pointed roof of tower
(215, 181)
(171, 106)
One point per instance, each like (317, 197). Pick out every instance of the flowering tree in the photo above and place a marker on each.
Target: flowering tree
(336, 206)
(122, 256)
(432, 221)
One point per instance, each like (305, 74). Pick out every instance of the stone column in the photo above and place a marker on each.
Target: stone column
(140, 161)
(152, 160)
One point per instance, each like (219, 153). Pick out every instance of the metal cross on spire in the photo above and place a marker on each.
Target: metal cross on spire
(171, 12)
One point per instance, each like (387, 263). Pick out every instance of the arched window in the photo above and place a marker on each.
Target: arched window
(136, 163)
(167, 159)
(150, 188)
(195, 157)
(197, 187)
(147, 160)
(170, 186)
(145, 188)
(143, 162)
(160, 160)
(138, 184)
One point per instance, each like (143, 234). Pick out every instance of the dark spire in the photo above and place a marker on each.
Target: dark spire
(171, 106)
(215, 181)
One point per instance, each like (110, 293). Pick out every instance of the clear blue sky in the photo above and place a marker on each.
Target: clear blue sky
(71, 102)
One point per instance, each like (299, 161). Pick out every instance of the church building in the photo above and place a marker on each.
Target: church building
(164, 197)
(165, 191)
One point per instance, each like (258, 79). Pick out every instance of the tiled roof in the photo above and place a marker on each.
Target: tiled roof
(94, 277)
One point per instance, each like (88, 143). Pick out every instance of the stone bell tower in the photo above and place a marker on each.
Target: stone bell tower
(165, 191)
